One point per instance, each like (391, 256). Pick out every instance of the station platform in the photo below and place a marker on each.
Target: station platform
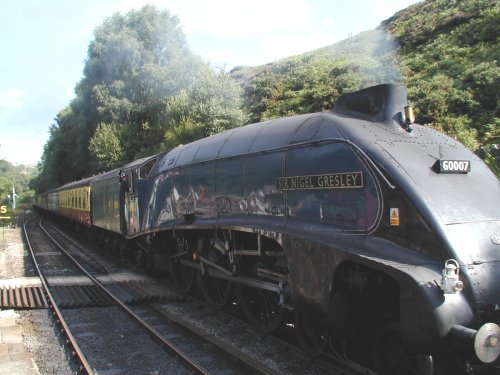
(14, 358)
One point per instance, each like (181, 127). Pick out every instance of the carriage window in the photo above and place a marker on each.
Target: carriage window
(329, 183)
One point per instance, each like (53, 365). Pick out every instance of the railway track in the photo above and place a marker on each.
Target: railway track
(89, 289)
(187, 353)
(288, 358)
(78, 354)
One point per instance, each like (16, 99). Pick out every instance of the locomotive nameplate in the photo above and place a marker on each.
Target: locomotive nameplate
(349, 180)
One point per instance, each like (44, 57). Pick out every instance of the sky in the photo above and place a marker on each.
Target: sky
(43, 47)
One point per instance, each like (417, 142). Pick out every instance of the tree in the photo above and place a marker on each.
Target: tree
(212, 104)
(135, 62)
(106, 146)
(15, 177)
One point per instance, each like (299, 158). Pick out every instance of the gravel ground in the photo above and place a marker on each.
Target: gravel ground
(39, 336)
(128, 349)
(101, 330)
(111, 343)
(274, 355)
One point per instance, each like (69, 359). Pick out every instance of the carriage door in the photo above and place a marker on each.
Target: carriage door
(132, 203)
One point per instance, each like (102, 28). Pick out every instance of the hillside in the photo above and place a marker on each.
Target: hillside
(445, 51)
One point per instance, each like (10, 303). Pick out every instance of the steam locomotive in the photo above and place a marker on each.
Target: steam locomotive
(377, 238)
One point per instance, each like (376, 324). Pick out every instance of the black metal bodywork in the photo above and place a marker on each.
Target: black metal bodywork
(361, 207)
(324, 186)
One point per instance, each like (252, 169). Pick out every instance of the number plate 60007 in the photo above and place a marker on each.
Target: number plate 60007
(454, 166)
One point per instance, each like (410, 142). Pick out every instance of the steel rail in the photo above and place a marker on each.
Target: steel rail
(347, 365)
(213, 339)
(77, 351)
(193, 364)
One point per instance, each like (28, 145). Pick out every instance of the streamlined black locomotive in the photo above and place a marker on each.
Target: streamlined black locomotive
(371, 234)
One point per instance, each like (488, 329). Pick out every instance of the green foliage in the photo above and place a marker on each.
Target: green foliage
(105, 145)
(143, 91)
(17, 177)
(134, 63)
(313, 82)
(493, 162)
(490, 151)
(453, 77)
(445, 51)
(298, 85)
(426, 20)
(215, 101)
(68, 138)
(212, 104)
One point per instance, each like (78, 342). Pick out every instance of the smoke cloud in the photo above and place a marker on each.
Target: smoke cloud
(374, 54)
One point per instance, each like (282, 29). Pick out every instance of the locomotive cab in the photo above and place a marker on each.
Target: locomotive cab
(441, 204)
(133, 187)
